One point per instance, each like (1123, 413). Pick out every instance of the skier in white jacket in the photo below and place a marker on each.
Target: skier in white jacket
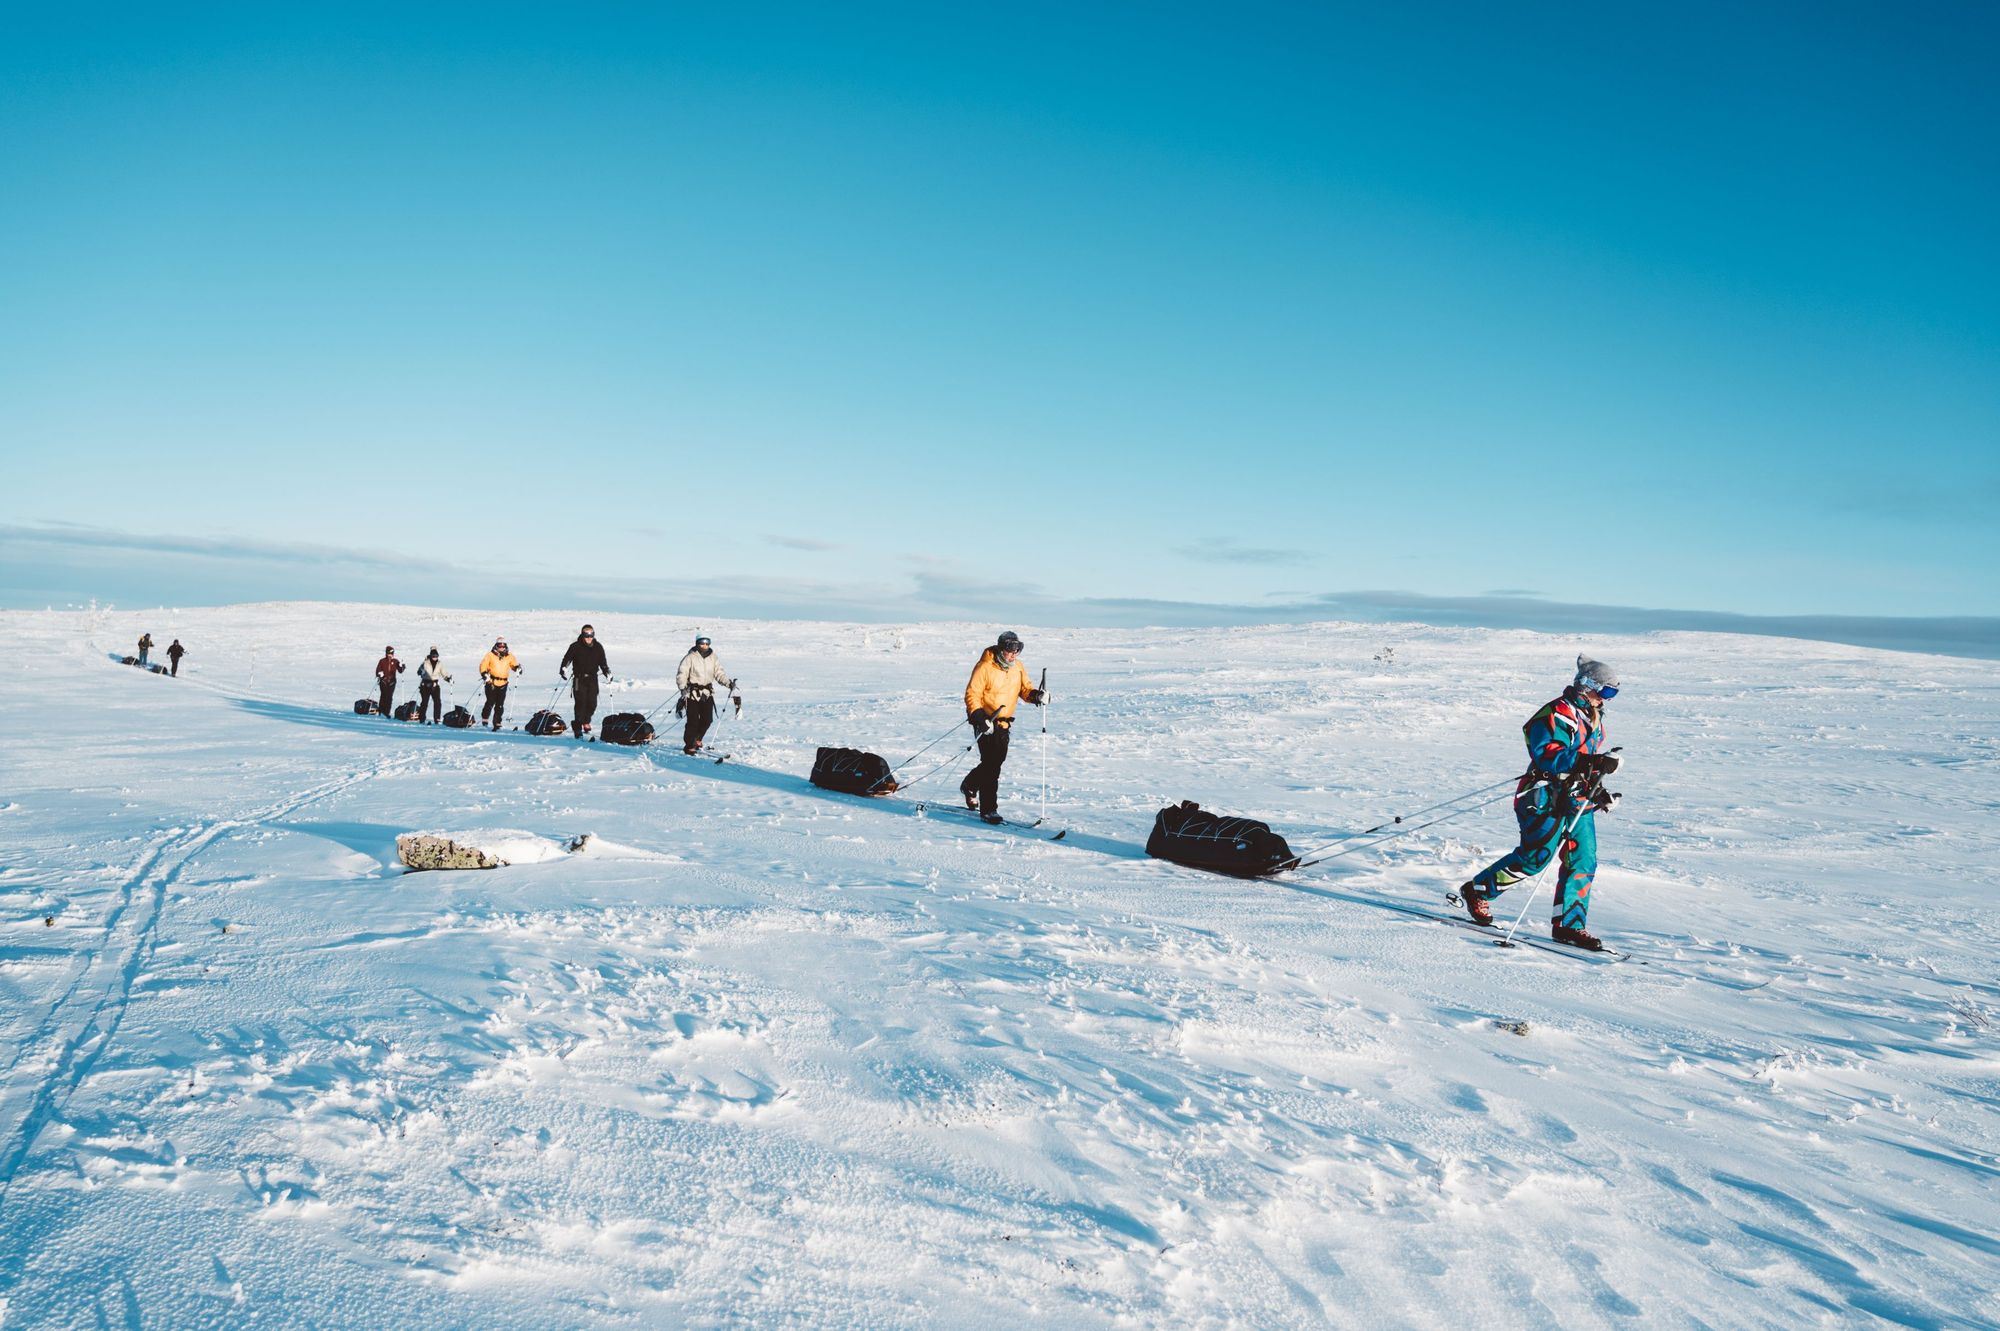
(698, 676)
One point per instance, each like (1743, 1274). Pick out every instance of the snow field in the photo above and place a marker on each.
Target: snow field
(761, 1056)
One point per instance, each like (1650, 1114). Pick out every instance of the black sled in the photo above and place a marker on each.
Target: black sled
(852, 772)
(410, 711)
(366, 707)
(545, 723)
(458, 718)
(625, 728)
(1187, 834)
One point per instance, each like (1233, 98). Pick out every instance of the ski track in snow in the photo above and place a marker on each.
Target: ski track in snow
(764, 1055)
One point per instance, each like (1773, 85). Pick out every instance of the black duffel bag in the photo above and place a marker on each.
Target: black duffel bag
(853, 772)
(625, 728)
(458, 718)
(1188, 834)
(409, 711)
(366, 707)
(545, 723)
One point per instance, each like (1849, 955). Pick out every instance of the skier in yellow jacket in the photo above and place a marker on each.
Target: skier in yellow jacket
(998, 683)
(496, 668)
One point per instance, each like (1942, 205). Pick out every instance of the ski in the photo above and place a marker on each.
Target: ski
(1608, 957)
(928, 807)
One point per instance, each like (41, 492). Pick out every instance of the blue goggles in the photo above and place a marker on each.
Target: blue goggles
(1608, 692)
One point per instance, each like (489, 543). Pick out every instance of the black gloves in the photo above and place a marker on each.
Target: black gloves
(981, 722)
(1035, 696)
(1598, 764)
(1605, 799)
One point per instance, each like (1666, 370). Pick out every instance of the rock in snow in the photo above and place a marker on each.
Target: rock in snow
(474, 850)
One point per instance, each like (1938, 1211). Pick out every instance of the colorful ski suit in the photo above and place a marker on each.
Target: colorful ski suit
(1544, 800)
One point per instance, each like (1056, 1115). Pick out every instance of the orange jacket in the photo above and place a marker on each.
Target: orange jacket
(497, 668)
(996, 688)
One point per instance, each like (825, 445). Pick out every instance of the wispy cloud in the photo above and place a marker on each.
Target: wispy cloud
(804, 543)
(1220, 550)
(58, 564)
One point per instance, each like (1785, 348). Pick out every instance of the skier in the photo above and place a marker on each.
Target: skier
(586, 657)
(145, 647)
(496, 668)
(998, 682)
(431, 679)
(1560, 790)
(386, 671)
(174, 654)
(699, 673)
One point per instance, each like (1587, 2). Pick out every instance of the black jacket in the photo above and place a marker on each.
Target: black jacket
(585, 658)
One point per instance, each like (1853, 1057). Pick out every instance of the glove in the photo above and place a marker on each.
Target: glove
(981, 722)
(681, 705)
(1605, 763)
(1035, 696)
(561, 675)
(1606, 798)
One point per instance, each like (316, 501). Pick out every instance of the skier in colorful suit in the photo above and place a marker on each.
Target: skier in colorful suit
(1559, 791)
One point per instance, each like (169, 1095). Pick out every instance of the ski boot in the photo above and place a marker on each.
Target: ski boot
(993, 818)
(1475, 903)
(1576, 938)
(971, 798)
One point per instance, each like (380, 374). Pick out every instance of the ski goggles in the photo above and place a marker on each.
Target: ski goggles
(1608, 692)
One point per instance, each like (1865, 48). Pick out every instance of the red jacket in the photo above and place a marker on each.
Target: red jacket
(388, 668)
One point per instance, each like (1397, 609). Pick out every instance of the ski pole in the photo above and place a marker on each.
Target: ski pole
(1043, 689)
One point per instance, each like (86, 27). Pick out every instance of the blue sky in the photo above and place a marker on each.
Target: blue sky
(909, 310)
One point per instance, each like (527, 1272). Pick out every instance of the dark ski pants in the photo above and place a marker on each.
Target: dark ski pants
(584, 689)
(176, 664)
(984, 780)
(1542, 813)
(430, 699)
(388, 695)
(700, 716)
(496, 704)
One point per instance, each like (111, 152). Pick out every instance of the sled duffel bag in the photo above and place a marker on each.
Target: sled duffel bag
(409, 711)
(853, 772)
(545, 723)
(366, 707)
(625, 728)
(1188, 834)
(458, 718)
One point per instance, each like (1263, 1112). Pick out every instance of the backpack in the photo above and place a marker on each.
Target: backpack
(458, 718)
(1186, 834)
(853, 772)
(366, 707)
(409, 711)
(625, 728)
(545, 723)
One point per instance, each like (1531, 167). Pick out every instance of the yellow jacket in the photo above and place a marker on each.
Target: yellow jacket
(497, 668)
(996, 688)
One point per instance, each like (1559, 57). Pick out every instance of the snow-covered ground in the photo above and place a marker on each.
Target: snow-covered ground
(758, 1055)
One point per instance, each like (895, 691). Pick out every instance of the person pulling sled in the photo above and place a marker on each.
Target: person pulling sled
(174, 654)
(386, 671)
(581, 665)
(496, 668)
(1558, 799)
(431, 679)
(999, 682)
(699, 674)
(145, 649)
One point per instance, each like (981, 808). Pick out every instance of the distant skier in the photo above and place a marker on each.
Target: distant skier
(145, 648)
(386, 671)
(699, 673)
(998, 683)
(431, 679)
(496, 668)
(174, 654)
(586, 658)
(1566, 763)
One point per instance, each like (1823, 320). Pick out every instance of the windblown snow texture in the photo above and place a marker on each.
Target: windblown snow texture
(762, 1055)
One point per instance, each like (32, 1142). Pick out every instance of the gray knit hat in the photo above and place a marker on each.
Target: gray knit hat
(1594, 675)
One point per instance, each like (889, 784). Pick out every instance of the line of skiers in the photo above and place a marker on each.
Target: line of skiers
(1555, 801)
(583, 666)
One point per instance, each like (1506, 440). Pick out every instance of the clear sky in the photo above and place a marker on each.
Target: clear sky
(928, 306)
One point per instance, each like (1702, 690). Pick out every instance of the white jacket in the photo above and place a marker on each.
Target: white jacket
(702, 672)
(427, 674)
